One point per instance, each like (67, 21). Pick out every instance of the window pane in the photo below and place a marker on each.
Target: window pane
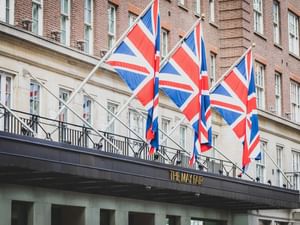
(34, 98)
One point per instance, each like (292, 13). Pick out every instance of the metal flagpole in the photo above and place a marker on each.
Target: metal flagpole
(17, 117)
(68, 107)
(278, 168)
(230, 68)
(102, 61)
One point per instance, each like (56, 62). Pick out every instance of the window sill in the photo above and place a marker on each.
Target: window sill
(214, 24)
(260, 35)
(294, 56)
(183, 7)
(278, 46)
(197, 15)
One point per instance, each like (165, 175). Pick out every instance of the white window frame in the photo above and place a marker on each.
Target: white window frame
(212, 13)
(295, 101)
(62, 93)
(164, 42)
(293, 27)
(7, 11)
(212, 74)
(259, 84)
(112, 107)
(258, 16)
(279, 162)
(278, 94)
(34, 99)
(181, 2)
(165, 126)
(296, 168)
(87, 108)
(198, 7)
(88, 26)
(6, 96)
(131, 18)
(39, 5)
(136, 123)
(65, 21)
(182, 135)
(261, 164)
(112, 23)
(276, 22)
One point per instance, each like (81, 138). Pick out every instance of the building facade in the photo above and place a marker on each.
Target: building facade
(59, 43)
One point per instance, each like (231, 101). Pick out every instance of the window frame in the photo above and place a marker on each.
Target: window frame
(258, 13)
(65, 112)
(112, 22)
(115, 107)
(278, 93)
(88, 26)
(164, 42)
(293, 33)
(65, 21)
(260, 84)
(276, 22)
(33, 101)
(39, 20)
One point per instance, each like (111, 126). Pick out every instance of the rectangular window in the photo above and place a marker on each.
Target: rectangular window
(182, 136)
(88, 17)
(259, 83)
(261, 164)
(296, 169)
(63, 95)
(21, 213)
(107, 216)
(37, 14)
(258, 16)
(198, 7)
(293, 21)
(112, 107)
(7, 11)
(136, 123)
(34, 98)
(87, 109)
(165, 124)
(278, 97)
(111, 25)
(6, 88)
(164, 43)
(279, 161)
(276, 22)
(181, 2)
(212, 11)
(295, 101)
(131, 18)
(212, 74)
(65, 22)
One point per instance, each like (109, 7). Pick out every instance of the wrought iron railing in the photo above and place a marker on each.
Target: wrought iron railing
(80, 135)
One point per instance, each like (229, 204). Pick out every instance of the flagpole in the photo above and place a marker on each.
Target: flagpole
(102, 60)
(278, 168)
(18, 118)
(230, 68)
(68, 107)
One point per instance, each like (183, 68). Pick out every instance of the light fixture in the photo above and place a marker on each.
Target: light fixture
(257, 179)
(148, 187)
(269, 182)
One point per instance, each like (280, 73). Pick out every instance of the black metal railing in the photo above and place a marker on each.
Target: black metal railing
(79, 135)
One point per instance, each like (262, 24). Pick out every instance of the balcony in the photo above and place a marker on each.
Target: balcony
(67, 156)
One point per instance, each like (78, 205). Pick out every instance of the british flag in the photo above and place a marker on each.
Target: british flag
(136, 59)
(235, 99)
(184, 79)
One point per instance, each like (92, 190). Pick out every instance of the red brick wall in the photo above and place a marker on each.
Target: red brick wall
(23, 10)
(77, 22)
(51, 17)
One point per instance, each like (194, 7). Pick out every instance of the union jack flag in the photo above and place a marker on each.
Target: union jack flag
(184, 79)
(136, 59)
(235, 99)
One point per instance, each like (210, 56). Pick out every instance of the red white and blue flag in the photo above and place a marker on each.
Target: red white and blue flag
(184, 79)
(235, 99)
(136, 59)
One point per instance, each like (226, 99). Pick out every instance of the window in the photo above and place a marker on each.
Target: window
(34, 98)
(165, 124)
(258, 16)
(107, 216)
(212, 11)
(37, 14)
(196, 222)
(88, 15)
(276, 22)
(65, 22)
(293, 21)
(63, 95)
(172, 220)
(296, 169)
(182, 136)
(131, 18)
(136, 123)
(112, 107)
(212, 74)
(87, 109)
(65, 214)
(261, 164)
(278, 93)
(7, 11)
(279, 160)
(5, 88)
(264, 222)
(111, 25)
(198, 7)
(181, 2)
(295, 101)
(259, 83)
(21, 213)
(164, 43)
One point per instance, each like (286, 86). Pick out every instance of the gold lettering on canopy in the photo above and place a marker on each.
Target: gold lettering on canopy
(185, 178)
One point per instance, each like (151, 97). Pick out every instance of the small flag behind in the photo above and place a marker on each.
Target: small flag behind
(137, 60)
(235, 99)
(184, 79)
